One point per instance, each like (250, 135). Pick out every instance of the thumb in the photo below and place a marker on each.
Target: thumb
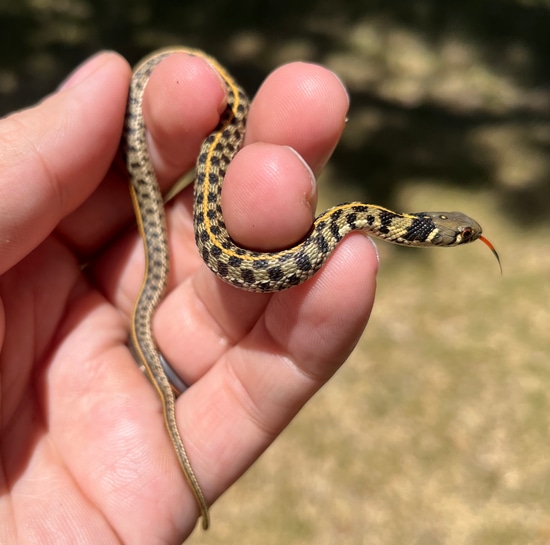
(54, 155)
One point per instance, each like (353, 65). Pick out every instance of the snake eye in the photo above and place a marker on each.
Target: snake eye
(467, 233)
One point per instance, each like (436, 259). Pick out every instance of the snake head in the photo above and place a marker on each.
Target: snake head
(454, 228)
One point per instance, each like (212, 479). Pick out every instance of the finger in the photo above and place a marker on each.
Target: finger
(255, 388)
(269, 197)
(317, 98)
(54, 155)
(181, 106)
(302, 107)
(183, 103)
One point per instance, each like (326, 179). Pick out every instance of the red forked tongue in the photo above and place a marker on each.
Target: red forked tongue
(492, 248)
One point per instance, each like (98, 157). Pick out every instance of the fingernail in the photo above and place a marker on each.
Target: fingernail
(344, 88)
(223, 85)
(82, 72)
(308, 168)
(375, 248)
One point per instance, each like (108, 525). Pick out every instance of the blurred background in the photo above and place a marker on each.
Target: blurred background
(437, 430)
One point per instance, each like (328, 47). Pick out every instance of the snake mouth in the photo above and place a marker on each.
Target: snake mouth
(489, 245)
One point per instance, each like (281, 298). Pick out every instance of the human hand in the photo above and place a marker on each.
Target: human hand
(85, 454)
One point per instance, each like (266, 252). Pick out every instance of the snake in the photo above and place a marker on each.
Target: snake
(250, 270)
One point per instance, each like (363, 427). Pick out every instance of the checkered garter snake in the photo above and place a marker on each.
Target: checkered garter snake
(243, 268)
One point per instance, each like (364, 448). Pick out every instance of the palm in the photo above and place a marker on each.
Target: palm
(84, 451)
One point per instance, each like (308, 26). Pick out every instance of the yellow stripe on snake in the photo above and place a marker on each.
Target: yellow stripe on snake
(243, 268)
